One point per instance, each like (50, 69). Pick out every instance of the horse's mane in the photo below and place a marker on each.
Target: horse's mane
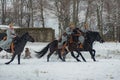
(24, 35)
(19, 38)
(92, 33)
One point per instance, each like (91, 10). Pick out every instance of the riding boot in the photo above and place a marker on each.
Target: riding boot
(12, 48)
(81, 46)
(63, 48)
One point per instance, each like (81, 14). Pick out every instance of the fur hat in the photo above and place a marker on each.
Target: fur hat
(11, 24)
(71, 23)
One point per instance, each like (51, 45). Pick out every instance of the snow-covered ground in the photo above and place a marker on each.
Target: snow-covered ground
(107, 66)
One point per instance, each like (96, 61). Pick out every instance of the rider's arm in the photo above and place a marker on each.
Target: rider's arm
(68, 31)
(77, 32)
(10, 33)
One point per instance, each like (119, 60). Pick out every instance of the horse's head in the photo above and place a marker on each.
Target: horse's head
(27, 37)
(99, 38)
(94, 36)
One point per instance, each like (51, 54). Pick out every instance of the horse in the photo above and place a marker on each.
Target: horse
(19, 44)
(87, 46)
(53, 46)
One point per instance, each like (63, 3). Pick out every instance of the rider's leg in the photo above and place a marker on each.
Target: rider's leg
(81, 41)
(12, 47)
(63, 48)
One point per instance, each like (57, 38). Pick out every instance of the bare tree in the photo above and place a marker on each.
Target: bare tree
(41, 7)
(118, 24)
(3, 3)
(75, 11)
(61, 10)
(99, 16)
(87, 11)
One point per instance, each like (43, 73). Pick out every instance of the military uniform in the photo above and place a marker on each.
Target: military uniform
(10, 35)
(64, 37)
(81, 37)
(69, 32)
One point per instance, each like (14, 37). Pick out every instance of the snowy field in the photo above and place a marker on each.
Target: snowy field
(107, 66)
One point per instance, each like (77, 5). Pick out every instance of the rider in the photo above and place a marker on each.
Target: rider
(7, 42)
(69, 31)
(63, 38)
(85, 28)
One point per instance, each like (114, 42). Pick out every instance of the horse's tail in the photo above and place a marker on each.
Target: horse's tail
(42, 52)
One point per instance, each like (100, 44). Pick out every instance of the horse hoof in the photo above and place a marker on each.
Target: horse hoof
(94, 60)
(64, 61)
(85, 61)
(78, 60)
(7, 63)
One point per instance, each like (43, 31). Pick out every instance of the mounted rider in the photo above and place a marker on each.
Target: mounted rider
(85, 28)
(77, 34)
(6, 43)
(68, 32)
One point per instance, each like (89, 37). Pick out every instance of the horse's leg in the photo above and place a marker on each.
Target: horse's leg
(59, 54)
(72, 54)
(19, 58)
(93, 52)
(1, 49)
(81, 56)
(48, 56)
(11, 59)
(92, 55)
(64, 55)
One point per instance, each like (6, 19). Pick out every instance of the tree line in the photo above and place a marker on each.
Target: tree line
(101, 15)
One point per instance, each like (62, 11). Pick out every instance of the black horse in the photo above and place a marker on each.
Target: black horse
(90, 38)
(19, 44)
